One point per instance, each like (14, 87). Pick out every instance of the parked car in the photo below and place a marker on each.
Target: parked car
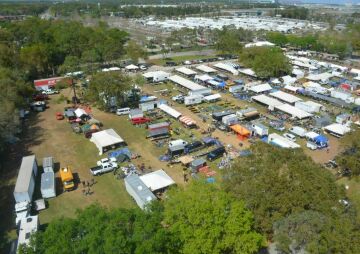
(217, 153)
(40, 97)
(50, 91)
(59, 116)
(289, 136)
(170, 64)
(123, 111)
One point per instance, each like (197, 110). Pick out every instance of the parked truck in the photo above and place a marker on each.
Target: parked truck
(298, 131)
(67, 178)
(103, 168)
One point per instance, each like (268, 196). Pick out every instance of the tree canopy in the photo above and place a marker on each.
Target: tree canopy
(349, 158)
(99, 230)
(290, 195)
(267, 62)
(208, 220)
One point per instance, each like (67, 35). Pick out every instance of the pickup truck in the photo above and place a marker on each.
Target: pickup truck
(106, 160)
(103, 168)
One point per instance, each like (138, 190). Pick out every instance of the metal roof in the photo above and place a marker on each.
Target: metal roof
(47, 180)
(25, 174)
(139, 188)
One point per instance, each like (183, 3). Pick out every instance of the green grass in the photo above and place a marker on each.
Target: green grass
(353, 192)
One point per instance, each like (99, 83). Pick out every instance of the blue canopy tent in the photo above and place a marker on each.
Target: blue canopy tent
(321, 141)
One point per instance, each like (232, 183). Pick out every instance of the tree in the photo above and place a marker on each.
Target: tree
(35, 60)
(135, 51)
(275, 183)
(228, 41)
(208, 220)
(277, 38)
(108, 89)
(267, 62)
(98, 230)
(349, 158)
(71, 64)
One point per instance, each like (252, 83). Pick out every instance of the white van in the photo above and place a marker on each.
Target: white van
(123, 111)
(311, 145)
(178, 142)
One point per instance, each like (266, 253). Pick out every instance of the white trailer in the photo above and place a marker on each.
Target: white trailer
(298, 131)
(25, 183)
(138, 191)
(48, 188)
(48, 164)
(260, 129)
(193, 100)
(230, 120)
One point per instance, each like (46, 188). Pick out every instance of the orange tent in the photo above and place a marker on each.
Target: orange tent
(241, 131)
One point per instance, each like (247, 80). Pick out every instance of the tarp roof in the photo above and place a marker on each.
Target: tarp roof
(186, 159)
(240, 130)
(212, 97)
(105, 138)
(186, 71)
(311, 135)
(157, 180)
(204, 77)
(248, 72)
(292, 88)
(79, 112)
(293, 111)
(205, 68)
(266, 100)
(186, 83)
(320, 77)
(187, 120)
(260, 88)
(285, 97)
(169, 110)
(152, 74)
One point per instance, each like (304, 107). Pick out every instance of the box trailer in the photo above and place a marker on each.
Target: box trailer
(48, 164)
(298, 131)
(230, 120)
(193, 100)
(25, 182)
(48, 188)
(260, 129)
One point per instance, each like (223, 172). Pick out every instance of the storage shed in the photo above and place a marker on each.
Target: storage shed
(48, 188)
(138, 190)
(48, 164)
(25, 183)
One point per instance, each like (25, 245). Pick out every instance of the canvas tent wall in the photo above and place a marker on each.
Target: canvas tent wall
(106, 139)
(170, 111)
(138, 190)
(25, 182)
(157, 180)
(48, 185)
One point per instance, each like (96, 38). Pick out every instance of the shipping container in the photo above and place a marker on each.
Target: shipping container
(25, 182)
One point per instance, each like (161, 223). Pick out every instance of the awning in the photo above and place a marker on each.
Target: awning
(187, 120)
(169, 110)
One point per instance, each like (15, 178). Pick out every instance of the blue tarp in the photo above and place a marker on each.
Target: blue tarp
(321, 141)
(210, 180)
(239, 82)
(115, 154)
(222, 84)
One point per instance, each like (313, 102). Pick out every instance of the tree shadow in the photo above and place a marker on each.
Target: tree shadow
(10, 161)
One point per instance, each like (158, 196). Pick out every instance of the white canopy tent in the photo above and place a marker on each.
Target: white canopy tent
(289, 98)
(293, 111)
(212, 97)
(186, 71)
(248, 72)
(106, 138)
(226, 67)
(206, 69)
(203, 78)
(270, 102)
(293, 89)
(186, 83)
(80, 112)
(170, 111)
(260, 88)
(131, 67)
(157, 180)
(337, 129)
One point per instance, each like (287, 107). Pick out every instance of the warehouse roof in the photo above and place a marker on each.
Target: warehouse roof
(285, 97)
(186, 83)
(293, 111)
